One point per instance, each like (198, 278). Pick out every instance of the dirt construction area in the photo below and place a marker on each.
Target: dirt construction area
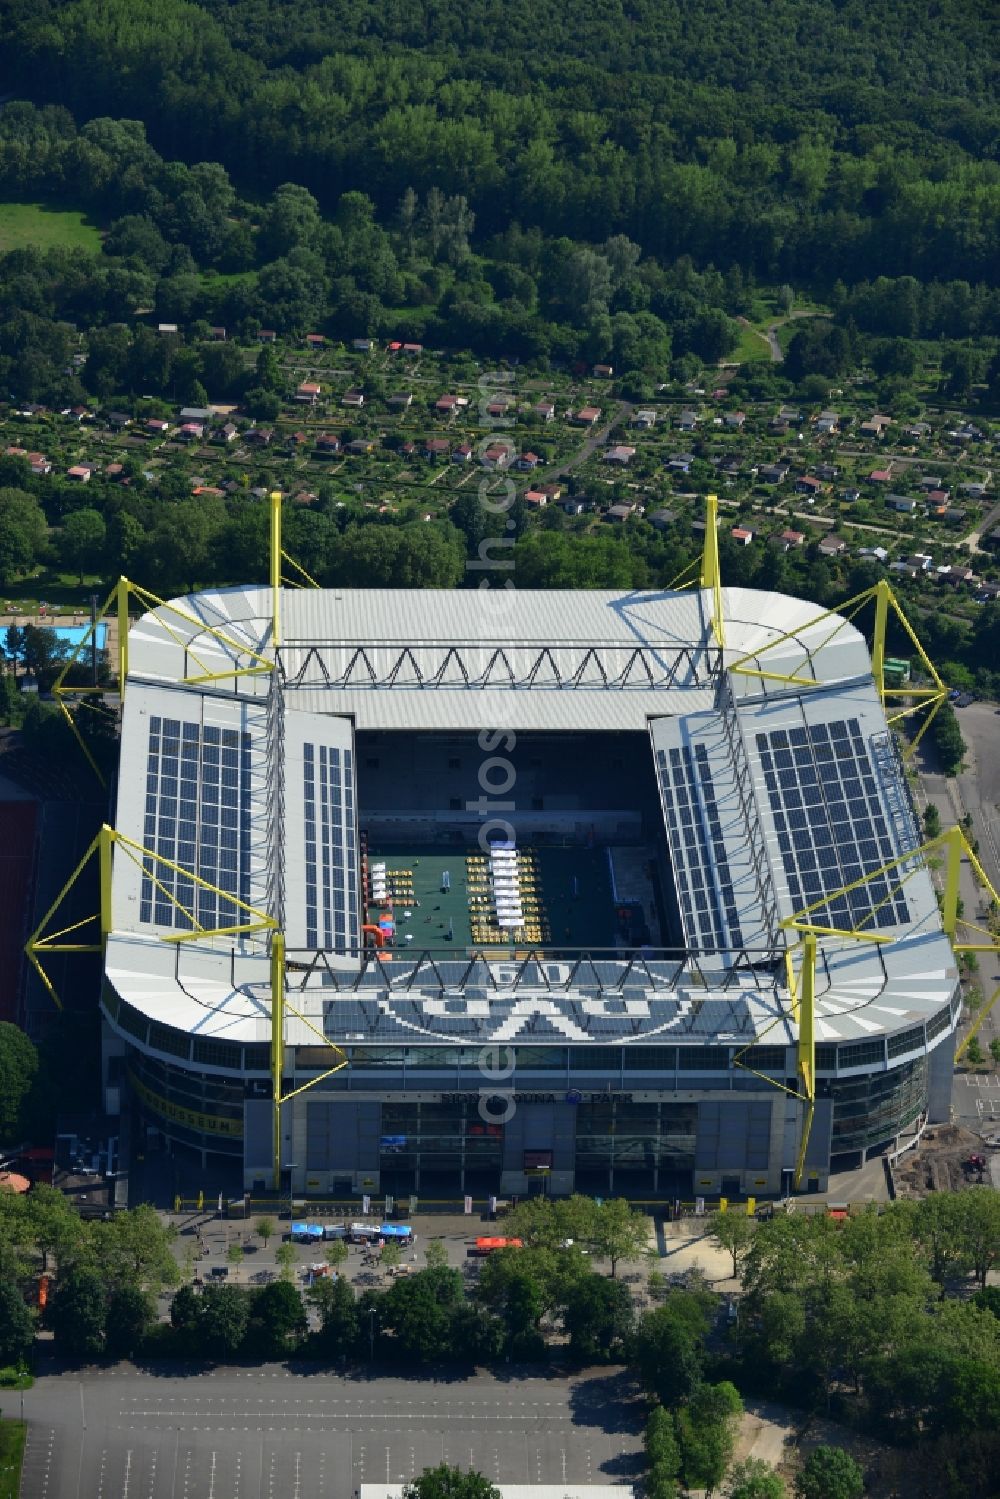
(944, 1161)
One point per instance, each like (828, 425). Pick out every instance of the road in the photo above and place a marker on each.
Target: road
(596, 439)
(771, 331)
(975, 1096)
(277, 1433)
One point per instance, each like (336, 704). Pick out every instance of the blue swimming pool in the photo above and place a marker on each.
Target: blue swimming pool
(73, 634)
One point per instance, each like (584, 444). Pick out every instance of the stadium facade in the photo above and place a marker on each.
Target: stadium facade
(712, 838)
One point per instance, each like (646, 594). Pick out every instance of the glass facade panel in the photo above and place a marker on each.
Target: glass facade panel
(441, 1147)
(635, 1147)
(870, 1110)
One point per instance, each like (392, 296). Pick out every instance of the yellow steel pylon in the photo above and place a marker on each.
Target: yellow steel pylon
(711, 576)
(42, 941)
(280, 1006)
(807, 1047)
(922, 698)
(275, 568)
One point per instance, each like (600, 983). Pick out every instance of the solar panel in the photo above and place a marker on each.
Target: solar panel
(824, 801)
(700, 858)
(330, 848)
(197, 816)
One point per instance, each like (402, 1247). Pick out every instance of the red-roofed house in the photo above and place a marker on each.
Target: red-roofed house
(587, 416)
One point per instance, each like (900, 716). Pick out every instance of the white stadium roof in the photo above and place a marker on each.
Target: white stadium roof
(773, 795)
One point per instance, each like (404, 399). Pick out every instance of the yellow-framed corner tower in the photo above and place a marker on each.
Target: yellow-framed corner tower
(90, 935)
(951, 845)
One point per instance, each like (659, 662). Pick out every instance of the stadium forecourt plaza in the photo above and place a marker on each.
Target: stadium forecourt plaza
(533, 880)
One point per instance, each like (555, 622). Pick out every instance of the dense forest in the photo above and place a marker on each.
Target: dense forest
(793, 137)
(496, 180)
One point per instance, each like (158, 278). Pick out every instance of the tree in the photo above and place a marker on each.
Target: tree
(392, 1256)
(76, 1314)
(753, 1479)
(980, 1229)
(264, 1228)
(938, 1227)
(234, 1255)
(17, 1326)
(43, 654)
(974, 1052)
(667, 1347)
(445, 1482)
(130, 1316)
(23, 531)
(336, 1253)
(706, 1433)
(423, 1311)
(277, 1319)
(948, 741)
(223, 1320)
(185, 1312)
(733, 1231)
(660, 1441)
(830, 1473)
(338, 1311)
(995, 1050)
(662, 1453)
(81, 542)
(435, 1254)
(134, 1249)
(598, 1318)
(616, 1233)
(285, 1257)
(18, 1066)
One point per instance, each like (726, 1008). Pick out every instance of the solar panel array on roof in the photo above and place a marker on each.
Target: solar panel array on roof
(831, 823)
(331, 853)
(197, 816)
(708, 910)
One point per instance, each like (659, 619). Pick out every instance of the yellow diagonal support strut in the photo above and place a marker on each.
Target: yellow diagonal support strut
(710, 574)
(807, 1046)
(277, 1043)
(42, 941)
(276, 568)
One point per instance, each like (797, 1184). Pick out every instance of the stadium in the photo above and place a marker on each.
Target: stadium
(485, 893)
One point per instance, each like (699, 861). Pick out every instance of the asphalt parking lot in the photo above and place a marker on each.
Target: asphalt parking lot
(276, 1433)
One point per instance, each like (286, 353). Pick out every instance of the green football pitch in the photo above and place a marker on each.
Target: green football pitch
(575, 887)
